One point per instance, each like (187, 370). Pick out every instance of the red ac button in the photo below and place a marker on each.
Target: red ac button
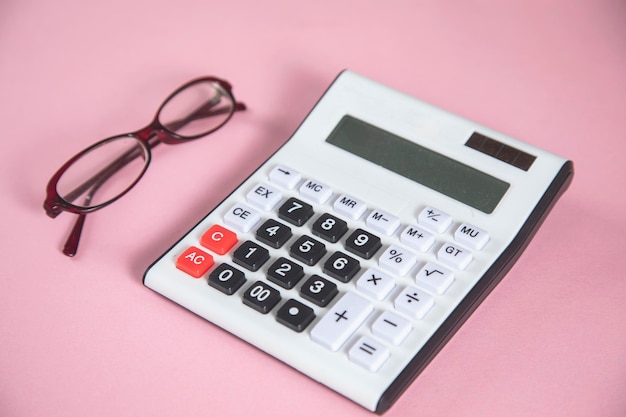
(218, 239)
(194, 262)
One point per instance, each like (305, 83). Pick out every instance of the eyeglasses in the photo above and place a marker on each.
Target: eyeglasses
(105, 171)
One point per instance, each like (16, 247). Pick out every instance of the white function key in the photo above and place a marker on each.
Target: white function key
(434, 278)
(434, 219)
(382, 222)
(369, 353)
(454, 256)
(414, 302)
(285, 177)
(264, 197)
(316, 191)
(397, 260)
(391, 327)
(417, 238)
(471, 236)
(349, 206)
(375, 283)
(334, 329)
(242, 217)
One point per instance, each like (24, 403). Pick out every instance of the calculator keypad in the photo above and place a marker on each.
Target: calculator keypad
(358, 283)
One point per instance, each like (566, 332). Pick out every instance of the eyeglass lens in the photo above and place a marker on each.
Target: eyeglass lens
(103, 173)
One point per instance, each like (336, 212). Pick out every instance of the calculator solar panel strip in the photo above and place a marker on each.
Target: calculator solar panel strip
(527, 183)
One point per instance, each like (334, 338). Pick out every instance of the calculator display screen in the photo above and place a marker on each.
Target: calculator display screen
(438, 172)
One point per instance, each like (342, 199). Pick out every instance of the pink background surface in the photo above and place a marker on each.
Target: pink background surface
(83, 337)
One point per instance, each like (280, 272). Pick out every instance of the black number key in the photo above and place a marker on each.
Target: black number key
(318, 290)
(250, 255)
(285, 273)
(341, 266)
(226, 279)
(273, 233)
(329, 227)
(363, 244)
(307, 250)
(295, 315)
(295, 211)
(261, 297)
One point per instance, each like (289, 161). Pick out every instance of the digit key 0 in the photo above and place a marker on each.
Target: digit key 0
(226, 279)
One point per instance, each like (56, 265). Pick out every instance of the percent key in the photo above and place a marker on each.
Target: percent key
(397, 260)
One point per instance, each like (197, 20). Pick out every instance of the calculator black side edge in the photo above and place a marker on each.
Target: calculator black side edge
(480, 291)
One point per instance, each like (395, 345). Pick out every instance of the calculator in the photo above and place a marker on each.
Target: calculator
(357, 250)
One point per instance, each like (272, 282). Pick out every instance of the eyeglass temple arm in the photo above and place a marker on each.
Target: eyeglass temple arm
(71, 244)
(202, 112)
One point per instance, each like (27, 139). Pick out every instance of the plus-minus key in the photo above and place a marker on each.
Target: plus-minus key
(434, 219)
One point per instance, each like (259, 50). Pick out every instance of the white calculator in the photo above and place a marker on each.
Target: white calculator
(357, 250)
